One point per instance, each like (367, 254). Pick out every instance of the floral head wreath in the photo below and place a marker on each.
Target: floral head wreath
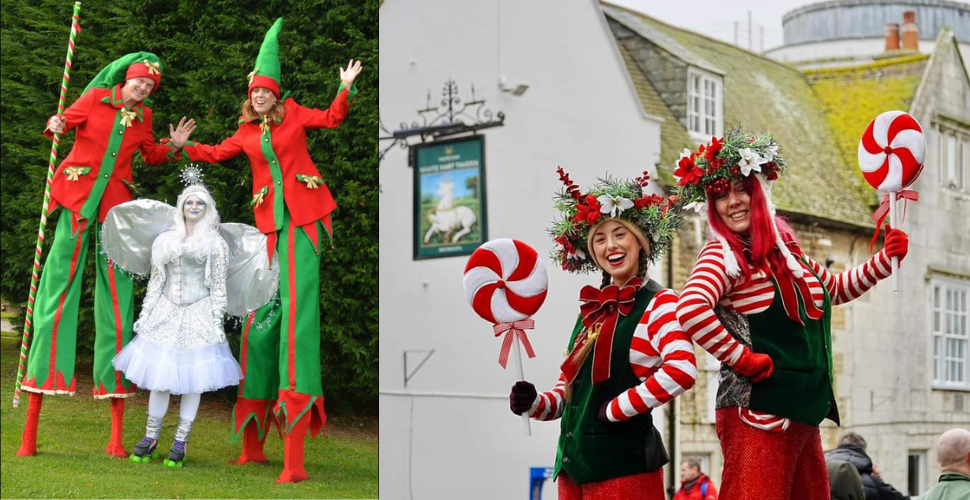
(649, 216)
(709, 170)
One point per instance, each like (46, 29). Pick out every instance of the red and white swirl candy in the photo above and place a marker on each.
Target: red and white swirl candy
(504, 281)
(891, 151)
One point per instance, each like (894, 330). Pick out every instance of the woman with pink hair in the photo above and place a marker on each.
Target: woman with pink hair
(762, 307)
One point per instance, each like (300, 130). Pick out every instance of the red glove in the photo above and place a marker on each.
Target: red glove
(522, 397)
(897, 243)
(755, 366)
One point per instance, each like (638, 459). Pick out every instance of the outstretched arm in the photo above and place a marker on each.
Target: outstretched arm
(851, 284)
(229, 148)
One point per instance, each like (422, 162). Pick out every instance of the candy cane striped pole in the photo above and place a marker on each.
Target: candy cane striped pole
(28, 327)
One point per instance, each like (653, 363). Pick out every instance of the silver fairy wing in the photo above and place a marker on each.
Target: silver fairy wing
(251, 282)
(130, 229)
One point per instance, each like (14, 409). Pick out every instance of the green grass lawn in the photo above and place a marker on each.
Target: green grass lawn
(71, 463)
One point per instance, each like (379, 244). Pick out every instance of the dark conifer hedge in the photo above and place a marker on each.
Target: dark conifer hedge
(207, 48)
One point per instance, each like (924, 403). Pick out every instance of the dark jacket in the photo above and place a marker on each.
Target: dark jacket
(874, 486)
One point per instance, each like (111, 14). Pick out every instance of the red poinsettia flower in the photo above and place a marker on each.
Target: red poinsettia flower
(713, 148)
(589, 212)
(687, 173)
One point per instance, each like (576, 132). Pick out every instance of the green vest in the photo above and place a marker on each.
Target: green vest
(590, 450)
(800, 388)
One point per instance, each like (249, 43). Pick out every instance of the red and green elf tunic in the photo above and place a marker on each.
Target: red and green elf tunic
(95, 176)
(280, 349)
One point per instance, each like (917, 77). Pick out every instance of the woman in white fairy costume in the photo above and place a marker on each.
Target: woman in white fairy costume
(181, 347)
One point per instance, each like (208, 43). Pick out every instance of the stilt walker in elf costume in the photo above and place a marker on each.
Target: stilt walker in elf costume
(113, 120)
(280, 348)
(762, 307)
(627, 353)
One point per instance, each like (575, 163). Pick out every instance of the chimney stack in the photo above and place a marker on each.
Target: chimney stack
(892, 36)
(910, 31)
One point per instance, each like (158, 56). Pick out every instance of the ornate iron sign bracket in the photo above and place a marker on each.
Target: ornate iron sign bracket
(452, 116)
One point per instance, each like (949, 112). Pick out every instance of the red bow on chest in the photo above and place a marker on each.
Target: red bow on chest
(601, 310)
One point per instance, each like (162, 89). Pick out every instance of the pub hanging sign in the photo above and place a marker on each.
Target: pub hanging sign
(449, 197)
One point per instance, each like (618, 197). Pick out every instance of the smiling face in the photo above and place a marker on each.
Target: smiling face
(734, 207)
(617, 251)
(139, 88)
(263, 100)
(194, 209)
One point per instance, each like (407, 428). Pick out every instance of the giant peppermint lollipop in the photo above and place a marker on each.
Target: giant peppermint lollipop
(891, 158)
(506, 283)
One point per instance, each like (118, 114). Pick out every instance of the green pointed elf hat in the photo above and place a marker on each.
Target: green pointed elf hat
(267, 71)
(134, 65)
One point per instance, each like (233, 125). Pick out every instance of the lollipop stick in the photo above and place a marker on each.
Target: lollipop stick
(892, 222)
(520, 376)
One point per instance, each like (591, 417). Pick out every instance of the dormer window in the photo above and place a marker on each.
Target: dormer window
(705, 104)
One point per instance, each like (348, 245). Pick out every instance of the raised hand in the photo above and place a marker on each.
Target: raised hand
(522, 397)
(181, 134)
(348, 75)
(897, 243)
(57, 124)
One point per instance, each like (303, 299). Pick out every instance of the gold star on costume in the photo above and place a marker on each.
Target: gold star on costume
(264, 125)
(127, 116)
(253, 75)
(73, 172)
(153, 67)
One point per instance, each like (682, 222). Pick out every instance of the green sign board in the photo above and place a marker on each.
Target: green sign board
(449, 197)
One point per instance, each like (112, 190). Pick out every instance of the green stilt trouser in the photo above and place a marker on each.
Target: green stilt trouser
(280, 347)
(50, 363)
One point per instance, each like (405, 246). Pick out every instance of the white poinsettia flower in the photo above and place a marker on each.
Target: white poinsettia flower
(770, 152)
(749, 161)
(614, 205)
(696, 206)
(579, 254)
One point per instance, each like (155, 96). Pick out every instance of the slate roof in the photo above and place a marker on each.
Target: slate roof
(763, 95)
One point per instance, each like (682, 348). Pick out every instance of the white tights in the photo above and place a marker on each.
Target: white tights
(188, 407)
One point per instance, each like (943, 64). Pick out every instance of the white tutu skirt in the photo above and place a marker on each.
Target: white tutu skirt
(179, 371)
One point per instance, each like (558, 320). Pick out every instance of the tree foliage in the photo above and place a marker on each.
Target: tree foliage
(207, 50)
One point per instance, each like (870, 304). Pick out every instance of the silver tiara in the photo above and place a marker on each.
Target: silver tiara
(191, 174)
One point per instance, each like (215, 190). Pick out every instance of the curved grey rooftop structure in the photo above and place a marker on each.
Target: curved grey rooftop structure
(847, 19)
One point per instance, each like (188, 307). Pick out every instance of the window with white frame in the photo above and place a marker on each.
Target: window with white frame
(950, 327)
(954, 154)
(704, 104)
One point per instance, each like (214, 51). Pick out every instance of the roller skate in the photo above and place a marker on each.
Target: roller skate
(144, 451)
(176, 456)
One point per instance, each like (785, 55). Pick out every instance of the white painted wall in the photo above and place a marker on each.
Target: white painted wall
(451, 423)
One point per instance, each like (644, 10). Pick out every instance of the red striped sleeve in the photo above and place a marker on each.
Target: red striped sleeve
(549, 405)
(661, 355)
(852, 283)
(707, 284)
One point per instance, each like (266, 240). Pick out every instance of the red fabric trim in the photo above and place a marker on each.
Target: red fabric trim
(242, 349)
(270, 245)
(311, 232)
(265, 82)
(256, 409)
(291, 331)
(60, 306)
(114, 307)
(293, 406)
